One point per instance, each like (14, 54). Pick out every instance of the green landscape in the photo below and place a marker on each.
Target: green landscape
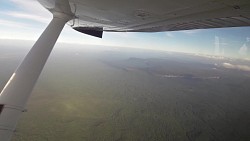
(97, 93)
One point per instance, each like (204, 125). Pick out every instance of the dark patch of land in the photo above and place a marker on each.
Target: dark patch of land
(130, 95)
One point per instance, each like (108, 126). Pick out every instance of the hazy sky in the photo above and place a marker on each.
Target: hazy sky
(26, 19)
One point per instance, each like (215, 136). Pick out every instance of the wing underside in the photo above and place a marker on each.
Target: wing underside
(158, 15)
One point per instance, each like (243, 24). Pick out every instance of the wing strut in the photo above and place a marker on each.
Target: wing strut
(16, 92)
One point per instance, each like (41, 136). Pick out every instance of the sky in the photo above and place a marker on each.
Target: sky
(26, 20)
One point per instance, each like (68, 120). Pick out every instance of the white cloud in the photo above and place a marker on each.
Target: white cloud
(237, 67)
(243, 50)
(228, 65)
(125, 35)
(248, 39)
(169, 34)
(190, 32)
(9, 23)
(24, 15)
(32, 6)
(29, 9)
(19, 23)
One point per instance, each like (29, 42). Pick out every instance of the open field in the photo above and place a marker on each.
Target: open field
(118, 94)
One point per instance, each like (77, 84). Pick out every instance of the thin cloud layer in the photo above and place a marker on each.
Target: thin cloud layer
(9, 23)
(28, 9)
(169, 34)
(25, 15)
(245, 47)
(190, 32)
(32, 6)
(237, 67)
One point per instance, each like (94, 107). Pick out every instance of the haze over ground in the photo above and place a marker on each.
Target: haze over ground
(123, 94)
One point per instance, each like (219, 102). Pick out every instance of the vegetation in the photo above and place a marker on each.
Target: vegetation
(110, 95)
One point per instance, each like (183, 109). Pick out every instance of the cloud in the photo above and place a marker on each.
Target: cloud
(237, 67)
(31, 6)
(243, 50)
(9, 23)
(169, 34)
(190, 32)
(24, 15)
(29, 9)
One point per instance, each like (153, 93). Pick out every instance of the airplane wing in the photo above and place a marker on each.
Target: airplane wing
(95, 16)
(157, 15)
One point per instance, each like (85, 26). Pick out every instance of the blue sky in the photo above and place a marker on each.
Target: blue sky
(26, 20)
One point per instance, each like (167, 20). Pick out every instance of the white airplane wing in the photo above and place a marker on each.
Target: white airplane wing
(157, 15)
(95, 16)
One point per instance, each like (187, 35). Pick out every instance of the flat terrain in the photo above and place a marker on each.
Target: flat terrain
(118, 94)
